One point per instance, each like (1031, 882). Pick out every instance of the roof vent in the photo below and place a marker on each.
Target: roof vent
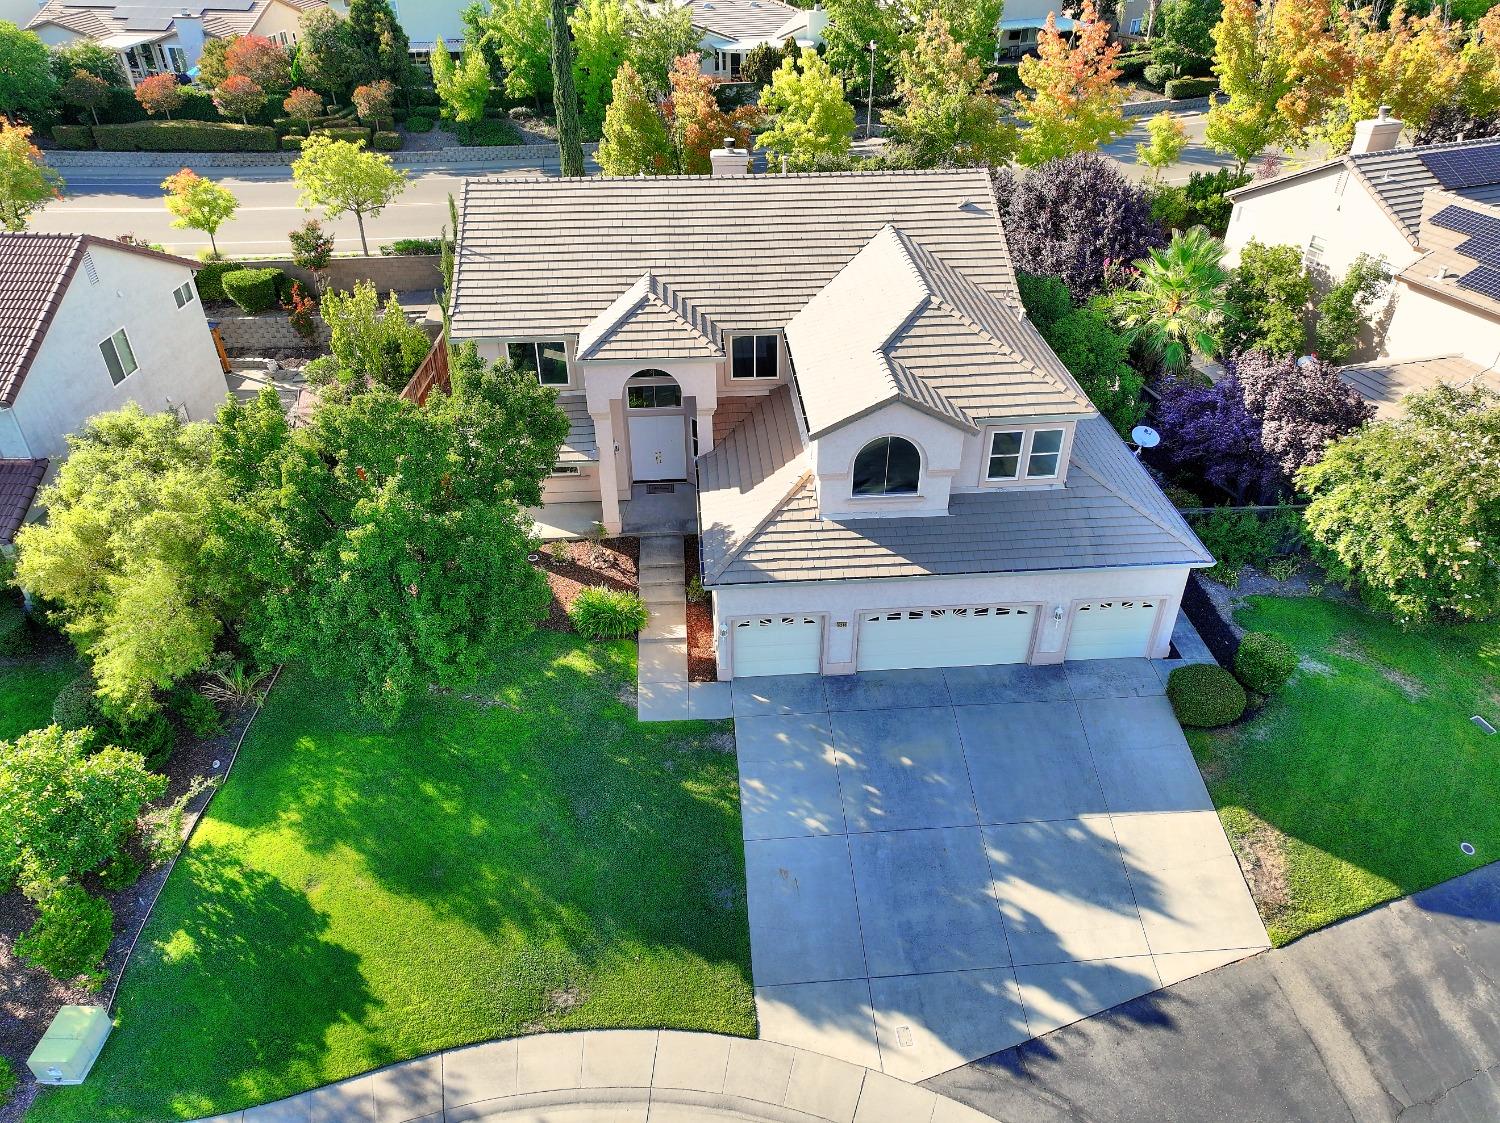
(89, 269)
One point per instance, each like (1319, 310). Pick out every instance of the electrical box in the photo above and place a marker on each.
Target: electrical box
(72, 1042)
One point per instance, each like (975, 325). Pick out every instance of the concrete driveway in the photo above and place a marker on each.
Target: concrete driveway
(943, 864)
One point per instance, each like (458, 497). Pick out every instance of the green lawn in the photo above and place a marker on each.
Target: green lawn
(1360, 781)
(27, 691)
(526, 857)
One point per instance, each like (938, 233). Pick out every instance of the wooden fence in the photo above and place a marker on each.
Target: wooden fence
(432, 374)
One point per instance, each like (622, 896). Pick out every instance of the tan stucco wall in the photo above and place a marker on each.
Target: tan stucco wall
(1423, 324)
(278, 18)
(832, 455)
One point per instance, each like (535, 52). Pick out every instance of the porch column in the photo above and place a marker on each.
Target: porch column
(705, 427)
(609, 487)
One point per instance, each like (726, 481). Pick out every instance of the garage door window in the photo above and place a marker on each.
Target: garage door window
(887, 466)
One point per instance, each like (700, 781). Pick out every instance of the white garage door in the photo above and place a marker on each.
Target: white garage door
(970, 636)
(1112, 629)
(777, 645)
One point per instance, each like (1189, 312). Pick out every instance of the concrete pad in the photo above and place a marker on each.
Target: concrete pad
(663, 660)
(668, 572)
(1014, 682)
(1063, 892)
(900, 769)
(886, 1100)
(662, 701)
(886, 690)
(804, 924)
(779, 694)
(1125, 724)
(824, 1087)
(480, 1072)
(1179, 966)
(710, 701)
(1142, 781)
(668, 621)
(1191, 892)
(1113, 678)
(661, 549)
(1058, 994)
(693, 1061)
(351, 1101)
(662, 593)
(926, 902)
(927, 1024)
(785, 798)
(298, 1109)
(408, 1090)
(548, 1062)
(1028, 761)
(758, 1070)
(617, 1058)
(789, 738)
(834, 1019)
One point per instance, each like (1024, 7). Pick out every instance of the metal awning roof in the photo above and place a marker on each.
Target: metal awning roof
(127, 39)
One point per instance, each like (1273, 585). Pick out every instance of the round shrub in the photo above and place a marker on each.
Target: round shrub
(74, 708)
(1264, 662)
(198, 715)
(1205, 695)
(210, 280)
(386, 141)
(15, 626)
(71, 934)
(254, 290)
(419, 123)
(601, 613)
(291, 143)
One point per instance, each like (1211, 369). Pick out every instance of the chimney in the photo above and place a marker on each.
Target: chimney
(730, 160)
(1377, 135)
(817, 23)
(190, 35)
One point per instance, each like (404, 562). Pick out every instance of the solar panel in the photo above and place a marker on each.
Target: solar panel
(1457, 168)
(1484, 280)
(1461, 219)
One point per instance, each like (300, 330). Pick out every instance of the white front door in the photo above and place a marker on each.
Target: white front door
(777, 645)
(965, 636)
(658, 447)
(1113, 629)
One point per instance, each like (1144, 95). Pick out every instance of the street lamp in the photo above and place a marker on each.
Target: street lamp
(870, 93)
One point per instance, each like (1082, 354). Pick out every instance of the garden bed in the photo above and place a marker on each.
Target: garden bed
(703, 663)
(572, 567)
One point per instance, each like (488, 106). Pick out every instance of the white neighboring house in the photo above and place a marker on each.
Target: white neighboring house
(1430, 211)
(87, 325)
(165, 38)
(1022, 20)
(830, 378)
(731, 29)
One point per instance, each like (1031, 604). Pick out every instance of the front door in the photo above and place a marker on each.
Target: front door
(658, 447)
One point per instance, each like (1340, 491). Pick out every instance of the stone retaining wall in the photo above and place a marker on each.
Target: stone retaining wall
(505, 154)
(270, 331)
(1149, 108)
(417, 273)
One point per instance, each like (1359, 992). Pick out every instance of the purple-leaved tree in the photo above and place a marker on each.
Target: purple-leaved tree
(1208, 429)
(1301, 406)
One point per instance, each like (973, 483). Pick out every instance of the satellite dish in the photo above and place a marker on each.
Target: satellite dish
(1145, 436)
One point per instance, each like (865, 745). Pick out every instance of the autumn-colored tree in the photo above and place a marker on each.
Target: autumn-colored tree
(1479, 84)
(159, 93)
(811, 117)
(374, 102)
(1252, 71)
(27, 184)
(695, 122)
(198, 203)
(1316, 61)
(1075, 104)
(949, 113)
(86, 91)
(255, 57)
(239, 96)
(302, 104)
(635, 137)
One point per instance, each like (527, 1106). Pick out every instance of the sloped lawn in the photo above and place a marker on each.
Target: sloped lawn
(520, 858)
(1361, 780)
(27, 690)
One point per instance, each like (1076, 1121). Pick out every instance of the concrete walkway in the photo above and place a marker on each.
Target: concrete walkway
(663, 690)
(616, 1076)
(1391, 1015)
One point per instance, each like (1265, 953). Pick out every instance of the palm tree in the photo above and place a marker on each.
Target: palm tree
(1177, 302)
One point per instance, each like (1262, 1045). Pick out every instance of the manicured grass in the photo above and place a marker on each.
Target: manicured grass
(525, 857)
(27, 691)
(1359, 782)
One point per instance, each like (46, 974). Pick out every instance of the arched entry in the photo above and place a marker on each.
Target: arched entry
(658, 427)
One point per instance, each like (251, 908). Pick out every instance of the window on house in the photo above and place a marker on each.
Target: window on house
(887, 466)
(548, 361)
(1014, 36)
(1313, 255)
(1135, 26)
(653, 397)
(183, 294)
(565, 470)
(1046, 448)
(118, 357)
(755, 356)
(1040, 450)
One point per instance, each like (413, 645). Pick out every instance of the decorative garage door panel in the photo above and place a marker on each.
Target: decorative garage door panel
(1113, 629)
(777, 645)
(969, 636)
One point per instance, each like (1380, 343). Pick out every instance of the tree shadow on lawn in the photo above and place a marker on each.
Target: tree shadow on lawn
(188, 1036)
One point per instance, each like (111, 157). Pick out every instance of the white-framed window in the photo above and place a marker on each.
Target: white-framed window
(888, 466)
(1313, 255)
(1024, 454)
(547, 360)
(1135, 26)
(182, 295)
(118, 357)
(755, 357)
(177, 59)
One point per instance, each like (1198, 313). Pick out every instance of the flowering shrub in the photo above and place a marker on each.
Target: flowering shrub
(302, 311)
(159, 93)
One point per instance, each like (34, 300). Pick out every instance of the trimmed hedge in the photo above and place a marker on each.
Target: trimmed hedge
(290, 126)
(345, 134)
(185, 136)
(73, 138)
(1134, 63)
(292, 143)
(1205, 695)
(254, 290)
(15, 626)
(386, 141)
(489, 134)
(1264, 662)
(1180, 88)
(210, 280)
(407, 247)
(419, 124)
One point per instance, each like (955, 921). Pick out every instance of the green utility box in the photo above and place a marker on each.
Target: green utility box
(67, 1050)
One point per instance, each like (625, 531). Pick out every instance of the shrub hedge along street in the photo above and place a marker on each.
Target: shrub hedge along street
(210, 280)
(254, 290)
(185, 136)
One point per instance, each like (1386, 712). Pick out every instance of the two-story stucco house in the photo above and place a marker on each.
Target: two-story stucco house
(891, 467)
(87, 325)
(731, 29)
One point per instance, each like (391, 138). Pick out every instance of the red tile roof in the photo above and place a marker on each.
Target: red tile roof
(19, 480)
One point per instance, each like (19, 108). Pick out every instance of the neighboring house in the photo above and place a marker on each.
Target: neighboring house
(87, 325)
(165, 38)
(1022, 20)
(19, 480)
(891, 467)
(733, 28)
(1430, 211)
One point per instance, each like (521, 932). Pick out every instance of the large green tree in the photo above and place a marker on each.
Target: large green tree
(392, 538)
(1268, 297)
(658, 35)
(514, 33)
(329, 58)
(464, 89)
(1184, 40)
(96, 59)
(564, 93)
(371, 345)
(897, 28)
(1252, 74)
(377, 35)
(600, 45)
(635, 141)
(342, 178)
(126, 558)
(28, 86)
(810, 117)
(1409, 509)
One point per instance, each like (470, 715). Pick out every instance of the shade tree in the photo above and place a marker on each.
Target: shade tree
(198, 203)
(27, 83)
(810, 117)
(1072, 102)
(27, 182)
(1302, 404)
(343, 178)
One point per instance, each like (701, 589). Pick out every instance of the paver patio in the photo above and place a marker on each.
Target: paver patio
(942, 864)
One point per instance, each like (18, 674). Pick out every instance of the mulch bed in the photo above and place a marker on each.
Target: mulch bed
(572, 567)
(703, 666)
(29, 997)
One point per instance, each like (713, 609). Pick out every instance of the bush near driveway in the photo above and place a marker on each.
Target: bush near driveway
(600, 613)
(1205, 695)
(1264, 662)
(524, 856)
(1358, 783)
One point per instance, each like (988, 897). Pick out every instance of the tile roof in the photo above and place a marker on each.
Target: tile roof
(144, 21)
(36, 269)
(1110, 514)
(650, 320)
(744, 20)
(1439, 269)
(580, 445)
(1386, 382)
(19, 480)
(545, 256)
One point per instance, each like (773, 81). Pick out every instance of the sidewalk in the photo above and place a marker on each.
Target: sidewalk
(663, 690)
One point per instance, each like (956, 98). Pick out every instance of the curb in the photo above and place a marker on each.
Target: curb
(505, 154)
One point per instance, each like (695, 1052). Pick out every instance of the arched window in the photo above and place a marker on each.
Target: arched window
(887, 466)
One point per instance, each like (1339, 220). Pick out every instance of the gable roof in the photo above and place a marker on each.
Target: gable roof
(648, 320)
(1385, 382)
(547, 256)
(37, 269)
(742, 20)
(142, 21)
(19, 480)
